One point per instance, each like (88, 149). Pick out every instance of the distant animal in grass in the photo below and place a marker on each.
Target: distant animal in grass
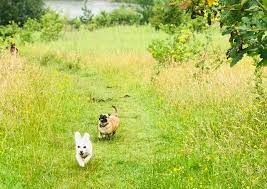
(13, 49)
(84, 148)
(108, 125)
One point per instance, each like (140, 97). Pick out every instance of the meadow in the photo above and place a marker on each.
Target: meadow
(183, 129)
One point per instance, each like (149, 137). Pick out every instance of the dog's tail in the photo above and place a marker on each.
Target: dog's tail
(116, 110)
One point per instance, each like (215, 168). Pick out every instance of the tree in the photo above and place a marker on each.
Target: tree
(87, 14)
(244, 20)
(19, 10)
(165, 13)
(146, 7)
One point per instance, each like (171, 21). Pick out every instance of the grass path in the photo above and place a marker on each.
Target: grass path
(172, 136)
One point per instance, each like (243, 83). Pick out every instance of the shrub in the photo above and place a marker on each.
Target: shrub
(166, 13)
(121, 16)
(146, 9)
(52, 25)
(102, 20)
(87, 14)
(125, 16)
(75, 23)
(175, 49)
(30, 27)
(8, 34)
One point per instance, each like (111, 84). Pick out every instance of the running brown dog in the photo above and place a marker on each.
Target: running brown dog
(108, 125)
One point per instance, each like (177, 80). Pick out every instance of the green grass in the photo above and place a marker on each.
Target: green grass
(175, 132)
(117, 39)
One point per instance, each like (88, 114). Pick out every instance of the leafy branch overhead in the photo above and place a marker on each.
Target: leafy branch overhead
(244, 20)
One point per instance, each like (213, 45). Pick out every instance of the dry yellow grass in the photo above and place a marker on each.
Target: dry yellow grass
(179, 83)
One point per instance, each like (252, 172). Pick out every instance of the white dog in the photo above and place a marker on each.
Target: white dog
(84, 148)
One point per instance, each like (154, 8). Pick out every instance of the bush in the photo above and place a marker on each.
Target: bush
(125, 16)
(180, 47)
(166, 13)
(8, 34)
(19, 11)
(75, 23)
(175, 49)
(30, 27)
(87, 14)
(121, 16)
(146, 9)
(102, 20)
(52, 25)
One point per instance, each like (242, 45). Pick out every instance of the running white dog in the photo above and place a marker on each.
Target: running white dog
(84, 148)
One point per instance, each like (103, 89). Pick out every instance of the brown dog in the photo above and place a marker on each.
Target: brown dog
(108, 125)
(13, 49)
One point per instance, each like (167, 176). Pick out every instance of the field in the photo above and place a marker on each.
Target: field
(177, 131)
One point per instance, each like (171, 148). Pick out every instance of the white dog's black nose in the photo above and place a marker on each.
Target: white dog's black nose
(81, 153)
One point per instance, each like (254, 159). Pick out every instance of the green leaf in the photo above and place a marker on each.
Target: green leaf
(243, 2)
(263, 62)
(236, 59)
(263, 55)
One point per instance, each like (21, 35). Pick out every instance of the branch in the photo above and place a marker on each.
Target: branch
(261, 5)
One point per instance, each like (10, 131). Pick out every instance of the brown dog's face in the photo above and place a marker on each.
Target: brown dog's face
(103, 119)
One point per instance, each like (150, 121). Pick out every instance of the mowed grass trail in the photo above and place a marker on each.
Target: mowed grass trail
(176, 132)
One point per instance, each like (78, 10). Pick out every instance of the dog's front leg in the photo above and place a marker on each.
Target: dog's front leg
(99, 136)
(87, 158)
(80, 160)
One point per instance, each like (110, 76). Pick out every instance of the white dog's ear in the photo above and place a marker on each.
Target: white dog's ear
(86, 136)
(77, 136)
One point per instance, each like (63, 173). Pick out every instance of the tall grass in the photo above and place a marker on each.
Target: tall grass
(214, 128)
(179, 131)
(38, 110)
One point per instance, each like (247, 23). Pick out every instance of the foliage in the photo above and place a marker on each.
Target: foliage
(52, 25)
(29, 28)
(166, 14)
(124, 16)
(175, 49)
(102, 20)
(75, 23)
(19, 11)
(120, 16)
(244, 20)
(48, 28)
(8, 34)
(87, 14)
(146, 9)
